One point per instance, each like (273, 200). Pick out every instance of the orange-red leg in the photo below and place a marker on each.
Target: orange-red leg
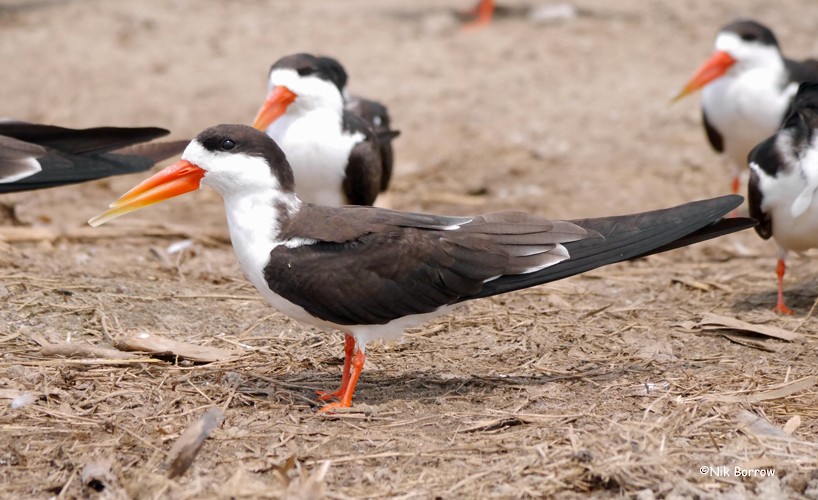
(735, 186)
(346, 397)
(484, 11)
(349, 349)
(780, 307)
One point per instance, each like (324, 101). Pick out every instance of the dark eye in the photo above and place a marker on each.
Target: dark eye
(228, 144)
(305, 70)
(749, 37)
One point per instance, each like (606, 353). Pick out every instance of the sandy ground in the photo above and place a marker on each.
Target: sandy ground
(602, 384)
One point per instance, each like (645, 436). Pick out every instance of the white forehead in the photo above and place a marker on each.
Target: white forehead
(196, 154)
(309, 85)
(228, 172)
(284, 76)
(729, 41)
(732, 43)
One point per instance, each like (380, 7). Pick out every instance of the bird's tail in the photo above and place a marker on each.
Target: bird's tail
(630, 237)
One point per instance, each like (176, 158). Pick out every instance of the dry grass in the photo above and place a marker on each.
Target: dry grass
(515, 396)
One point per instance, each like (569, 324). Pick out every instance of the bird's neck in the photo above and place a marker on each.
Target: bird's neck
(329, 104)
(310, 122)
(768, 65)
(255, 221)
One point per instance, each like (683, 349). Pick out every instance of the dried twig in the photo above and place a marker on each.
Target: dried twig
(778, 392)
(185, 448)
(711, 320)
(80, 350)
(156, 344)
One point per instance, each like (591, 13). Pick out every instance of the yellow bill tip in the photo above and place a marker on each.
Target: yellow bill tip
(174, 180)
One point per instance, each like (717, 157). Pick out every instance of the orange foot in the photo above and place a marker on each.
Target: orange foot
(344, 394)
(325, 395)
(331, 407)
(349, 351)
(780, 308)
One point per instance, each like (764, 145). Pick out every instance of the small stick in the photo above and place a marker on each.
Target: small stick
(185, 449)
(79, 350)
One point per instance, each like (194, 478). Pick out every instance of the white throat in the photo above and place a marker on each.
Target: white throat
(255, 224)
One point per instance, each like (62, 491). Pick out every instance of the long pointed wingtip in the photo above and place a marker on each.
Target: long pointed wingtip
(735, 199)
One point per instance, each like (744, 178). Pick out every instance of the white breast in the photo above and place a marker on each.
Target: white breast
(790, 198)
(252, 221)
(747, 108)
(318, 152)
